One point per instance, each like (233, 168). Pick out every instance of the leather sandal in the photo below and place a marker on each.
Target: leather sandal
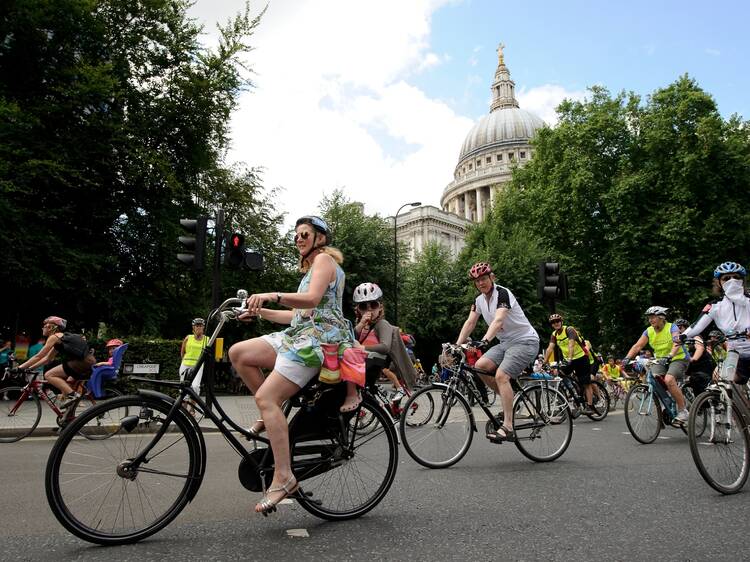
(350, 404)
(506, 435)
(256, 429)
(266, 505)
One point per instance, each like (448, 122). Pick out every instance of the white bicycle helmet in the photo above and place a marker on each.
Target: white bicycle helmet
(656, 311)
(367, 292)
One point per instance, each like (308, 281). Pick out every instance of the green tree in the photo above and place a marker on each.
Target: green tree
(434, 301)
(637, 200)
(113, 126)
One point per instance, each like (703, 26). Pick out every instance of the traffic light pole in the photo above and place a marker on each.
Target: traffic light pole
(218, 243)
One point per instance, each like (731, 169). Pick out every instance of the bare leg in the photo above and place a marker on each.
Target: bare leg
(269, 397)
(248, 357)
(391, 376)
(675, 391)
(57, 378)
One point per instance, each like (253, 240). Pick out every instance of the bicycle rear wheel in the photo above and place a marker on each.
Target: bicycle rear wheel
(341, 483)
(97, 494)
(721, 451)
(643, 414)
(446, 436)
(542, 423)
(19, 416)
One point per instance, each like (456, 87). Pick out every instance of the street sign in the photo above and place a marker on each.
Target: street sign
(141, 369)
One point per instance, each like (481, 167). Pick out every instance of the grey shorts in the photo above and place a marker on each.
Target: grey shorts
(513, 357)
(676, 368)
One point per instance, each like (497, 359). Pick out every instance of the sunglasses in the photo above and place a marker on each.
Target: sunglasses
(555, 322)
(372, 305)
(304, 235)
(729, 276)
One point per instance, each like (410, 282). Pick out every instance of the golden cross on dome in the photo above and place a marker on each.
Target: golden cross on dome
(500, 48)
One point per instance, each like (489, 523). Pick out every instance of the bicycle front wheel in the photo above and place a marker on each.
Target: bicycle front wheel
(446, 436)
(19, 415)
(642, 414)
(345, 483)
(96, 492)
(542, 423)
(722, 450)
(419, 412)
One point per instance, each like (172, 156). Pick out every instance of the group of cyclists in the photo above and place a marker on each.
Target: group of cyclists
(276, 366)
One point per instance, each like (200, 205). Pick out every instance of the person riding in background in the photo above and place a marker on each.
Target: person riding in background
(516, 341)
(701, 365)
(77, 357)
(566, 342)
(294, 356)
(731, 314)
(664, 338)
(111, 345)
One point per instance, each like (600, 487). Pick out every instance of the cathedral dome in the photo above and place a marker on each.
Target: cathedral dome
(502, 126)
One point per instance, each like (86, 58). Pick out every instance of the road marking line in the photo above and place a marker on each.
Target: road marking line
(596, 429)
(299, 533)
(664, 437)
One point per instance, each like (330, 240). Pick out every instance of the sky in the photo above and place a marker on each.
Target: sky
(376, 98)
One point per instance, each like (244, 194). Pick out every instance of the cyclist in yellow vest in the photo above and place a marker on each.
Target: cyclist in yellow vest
(664, 338)
(192, 347)
(611, 370)
(566, 341)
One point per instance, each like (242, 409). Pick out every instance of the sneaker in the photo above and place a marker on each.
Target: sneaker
(682, 416)
(398, 396)
(72, 397)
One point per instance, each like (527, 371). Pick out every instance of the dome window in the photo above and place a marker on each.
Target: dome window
(489, 160)
(499, 157)
(479, 162)
(510, 157)
(523, 154)
(470, 166)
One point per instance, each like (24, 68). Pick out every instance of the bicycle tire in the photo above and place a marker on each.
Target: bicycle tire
(345, 491)
(723, 461)
(24, 420)
(418, 413)
(643, 414)
(601, 403)
(452, 420)
(170, 478)
(104, 428)
(544, 433)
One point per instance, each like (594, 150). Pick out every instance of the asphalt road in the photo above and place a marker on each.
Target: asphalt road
(606, 498)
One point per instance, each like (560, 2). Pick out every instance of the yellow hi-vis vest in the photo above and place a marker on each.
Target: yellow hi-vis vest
(562, 343)
(193, 349)
(661, 342)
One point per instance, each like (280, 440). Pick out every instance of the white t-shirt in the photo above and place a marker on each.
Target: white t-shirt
(515, 326)
(729, 316)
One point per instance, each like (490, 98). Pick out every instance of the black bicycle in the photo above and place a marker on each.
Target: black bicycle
(541, 417)
(570, 387)
(132, 485)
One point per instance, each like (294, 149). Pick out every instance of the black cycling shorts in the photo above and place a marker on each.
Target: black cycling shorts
(742, 374)
(582, 368)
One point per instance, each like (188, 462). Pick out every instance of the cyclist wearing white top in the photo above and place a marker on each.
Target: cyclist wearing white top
(731, 314)
(517, 342)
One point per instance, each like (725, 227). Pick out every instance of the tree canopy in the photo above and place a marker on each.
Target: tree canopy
(638, 200)
(113, 126)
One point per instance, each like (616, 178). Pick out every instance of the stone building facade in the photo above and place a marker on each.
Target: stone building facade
(496, 144)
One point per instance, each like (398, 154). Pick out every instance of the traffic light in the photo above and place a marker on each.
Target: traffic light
(195, 245)
(553, 283)
(235, 251)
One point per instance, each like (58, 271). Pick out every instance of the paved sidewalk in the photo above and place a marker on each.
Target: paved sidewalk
(241, 409)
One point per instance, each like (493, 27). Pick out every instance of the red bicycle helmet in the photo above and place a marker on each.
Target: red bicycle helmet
(479, 269)
(114, 343)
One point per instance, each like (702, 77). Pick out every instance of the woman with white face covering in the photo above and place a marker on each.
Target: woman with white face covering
(731, 314)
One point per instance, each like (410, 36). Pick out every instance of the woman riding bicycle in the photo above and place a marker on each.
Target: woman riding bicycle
(731, 314)
(77, 357)
(294, 355)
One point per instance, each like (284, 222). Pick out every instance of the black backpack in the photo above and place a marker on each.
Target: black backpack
(74, 346)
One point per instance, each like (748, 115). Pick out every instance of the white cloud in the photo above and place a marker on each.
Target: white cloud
(542, 100)
(332, 99)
